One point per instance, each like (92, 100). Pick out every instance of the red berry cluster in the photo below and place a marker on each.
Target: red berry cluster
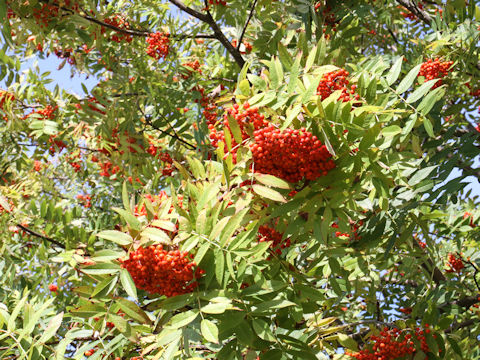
(156, 201)
(217, 2)
(266, 233)
(208, 105)
(120, 23)
(392, 344)
(337, 80)
(107, 169)
(46, 113)
(163, 156)
(158, 44)
(467, 215)
(56, 145)
(164, 272)
(327, 14)
(409, 15)
(245, 117)
(53, 288)
(37, 165)
(455, 263)
(85, 199)
(435, 69)
(4, 97)
(75, 161)
(354, 227)
(191, 67)
(246, 44)
(44, 14)
(290, 154)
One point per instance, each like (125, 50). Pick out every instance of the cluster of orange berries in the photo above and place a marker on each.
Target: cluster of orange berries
(53, 288)
(409, 15)
(191, 67)
(248, 46)
(327, 14)
(4, 97)
(74, 161)
(435, 69)
(467, 215)
(56, 145)
(266, 233)
(354, 226)
(158, 44)
(164, 272)
(247, 116)
(391, 344)
(47, 113)
(156, 201)
(164, 157)
(85, 199)
(209, 107)
(290, 154)
(455, 263)
(337, 80)
(120, 23)
(44, 14)
(37, 165)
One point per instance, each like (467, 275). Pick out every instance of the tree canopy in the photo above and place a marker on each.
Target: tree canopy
(257, 179)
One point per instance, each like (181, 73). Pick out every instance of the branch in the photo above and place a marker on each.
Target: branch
(252, 10)
(412, 7)
(175, 136)
(194, 13)
(218, 34)
(31, 232)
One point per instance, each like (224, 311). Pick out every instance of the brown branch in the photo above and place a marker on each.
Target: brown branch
(412, 7)
(218, 34)
(190, 11)
(31, 232)
(252, 10)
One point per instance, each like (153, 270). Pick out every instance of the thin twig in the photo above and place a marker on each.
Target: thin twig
(252, 10)
(31, 232)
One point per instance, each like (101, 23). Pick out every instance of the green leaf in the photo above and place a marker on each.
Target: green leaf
(52, 328)
(235, 129)
(267, 306)
(232, 226)
(421, 174)
(421, 91)
(131, 220)
(102, 269)
(126, 202)
(219, 265)
(128, 284)
(347, 341)
(394, 72)
(407, 82)
(107, 255)
(209, 331)
(268, 193)
(215, 308)
(183, 319)
(164, 224)
(273, 181)
(133, 310)
(428, 127)
(391, 130)
(156, 235)
(307, 95)
(310, 59)
(295, 72)
(262, 329)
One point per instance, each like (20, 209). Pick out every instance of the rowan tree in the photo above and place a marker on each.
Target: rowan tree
(247, 180)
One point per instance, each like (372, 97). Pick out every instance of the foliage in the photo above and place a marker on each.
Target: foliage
(248, 180)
